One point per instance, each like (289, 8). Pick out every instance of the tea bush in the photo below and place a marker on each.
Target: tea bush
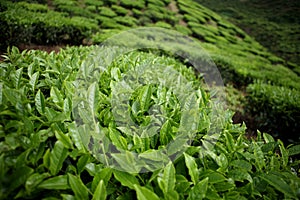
(42, 155)
(45, 27)
(273, 106)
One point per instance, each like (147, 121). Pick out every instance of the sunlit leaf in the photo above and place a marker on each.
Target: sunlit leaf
(126, 179)
(40, 102)
(278, 183)
(100, 192)
(33, 80)
(55, 183)
(77, 186)
(57, 157)
(192, 167)
(199, 190)
(144, 193)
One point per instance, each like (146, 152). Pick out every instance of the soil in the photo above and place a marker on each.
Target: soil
(251, 131)
(47, 48)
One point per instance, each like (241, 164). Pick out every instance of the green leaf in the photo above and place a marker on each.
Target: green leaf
(34, 180)
(17, 77)
(1, 93)
(55, 183)
(192, 167)
(165, 133)
(145, 97)
(242, 164)
(268, 138)
(240, 175)
(213, 176)
(127, 161)
(224, 186)
(294, 150)
(104, 174)
(19, 177)
(144, 193)
(222, 161)
(56, 96)
(40, 102)
(64, 138)
(279, 184)
(178, 144)
(67, 197)
(154, 155)
(117, 139)
(100, 193)
(259, 156)
(92, 95)
(82, 161)
(169, 177)
(79, 189)
(284, 154)
(229, 141)
(76, 137)
(46, 158)
(182, 184)
(198, 192)
(126, 179)
(57, 157)
(13, 95)
(33, 80)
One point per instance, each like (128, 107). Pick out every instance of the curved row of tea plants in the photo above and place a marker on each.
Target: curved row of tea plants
(241, 60)
(44, 156)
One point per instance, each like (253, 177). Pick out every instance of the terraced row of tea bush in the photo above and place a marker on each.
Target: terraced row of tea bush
(275, 24)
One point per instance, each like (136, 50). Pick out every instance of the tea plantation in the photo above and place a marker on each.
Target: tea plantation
(95, 121)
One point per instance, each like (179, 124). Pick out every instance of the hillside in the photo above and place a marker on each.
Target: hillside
(92, 120)
(275, 24)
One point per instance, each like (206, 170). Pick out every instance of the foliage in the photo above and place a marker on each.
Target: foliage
(273, 105)
(43, 156)
(275, 24)
(42, 27)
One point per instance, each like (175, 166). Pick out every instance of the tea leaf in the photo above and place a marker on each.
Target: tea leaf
(144, 193)
(64, 138)
(17, 77)
(57, 157)
(100, 193)
(199, 190)
(104, 174)
(240, 175)
(242, 164)
(55, 183)
(117, 139)
(20, 176)
(34, 180)
(56, 96)
(126, 179)
(40, 102)
(79, 189)
(284, 154)
(192, 167)
(83, 160)
(145, 97)
(169, 177)
(92, 95)
(33, 80)
(259, 156)
(294, 150)
(278, 183)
